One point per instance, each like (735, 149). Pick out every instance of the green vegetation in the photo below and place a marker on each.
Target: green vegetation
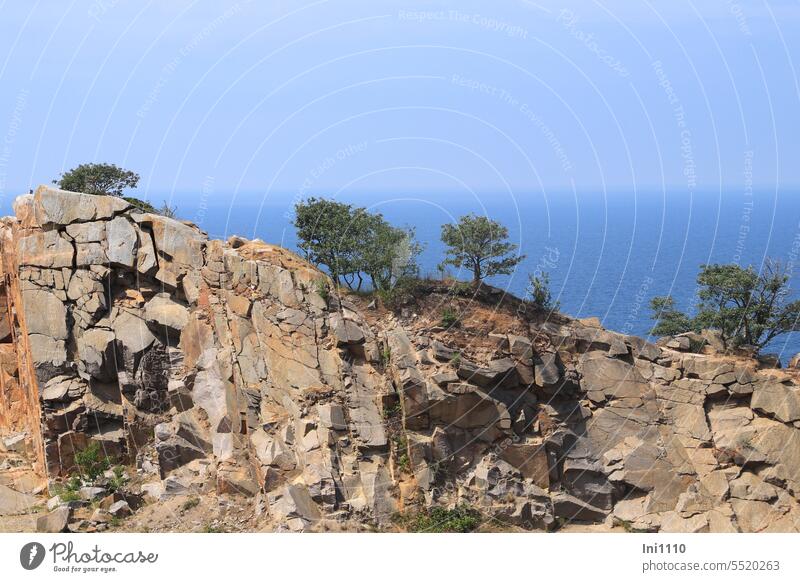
(100, 179)
(109, 180)
(167, 210)
(401, 450)
(480, 245)
(68, 491)
(91, 462)
(539, 292)
(460, 519)
(322, 289)
(392, 411)
(669, 320)
(355, 245)
(118, 480)
(140, 204)
(91, 465)
(402, 292)
(449, 318)
(190, 503)
(746, 307)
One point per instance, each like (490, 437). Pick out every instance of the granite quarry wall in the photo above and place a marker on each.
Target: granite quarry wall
(235, 366)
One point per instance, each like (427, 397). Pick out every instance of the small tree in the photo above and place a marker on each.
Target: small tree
(353, 243)
(326, 234)
(389, 254)
(480, 245)
(669, 320)
(539, 292)
(168, 211)
(744, 306)
(101, 179)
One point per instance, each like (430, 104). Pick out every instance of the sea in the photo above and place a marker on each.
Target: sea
(607, 254)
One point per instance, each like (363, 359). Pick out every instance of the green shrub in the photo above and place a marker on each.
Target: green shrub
(460, 519)
(99, 179)
(68, 491)
(92, 462)
(400, 293)
(539, 294)
(392, 411)
(142, 205)
(403, 460)
(322, 289)
(746, 306)
(449, 318)
(117, 482)
(462, 289)
(190, 503)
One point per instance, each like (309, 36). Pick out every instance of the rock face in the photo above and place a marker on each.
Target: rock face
(220, 365)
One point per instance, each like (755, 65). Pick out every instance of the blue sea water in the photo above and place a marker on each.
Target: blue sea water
(607, 255)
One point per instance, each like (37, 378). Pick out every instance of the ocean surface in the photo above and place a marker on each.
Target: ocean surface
(607, 255)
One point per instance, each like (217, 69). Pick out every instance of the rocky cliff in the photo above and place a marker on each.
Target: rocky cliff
(234, 370)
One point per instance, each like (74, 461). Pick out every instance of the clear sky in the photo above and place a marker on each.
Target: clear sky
(306, 97)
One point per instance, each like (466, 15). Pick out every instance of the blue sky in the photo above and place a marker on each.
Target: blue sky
(270, 99)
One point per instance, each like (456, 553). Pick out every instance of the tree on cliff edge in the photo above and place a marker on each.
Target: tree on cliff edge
(353, 243)
(99, 179)
(480, 245)
(747, 308)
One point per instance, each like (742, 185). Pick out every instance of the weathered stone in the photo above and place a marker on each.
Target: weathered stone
(674, 522)
(571, 508)
(294, 507)
(59, 207)
(63, 388)
(178, 247)
(347, 332)
(445, 377)
(332, 416)
(13, 502)
(611, 377)
(211, 393)
(45, 314)
(132, 332)
(777, 400)
(121, 239)
(530, 459)
(54, 522)
(49, 356)
(442, 352)
(643, 349)
(520, 347)
(748, 486)
(45, 249)
(91, 493)
(548, 369)
(166, 314)
(96, 350)
(87, 232)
